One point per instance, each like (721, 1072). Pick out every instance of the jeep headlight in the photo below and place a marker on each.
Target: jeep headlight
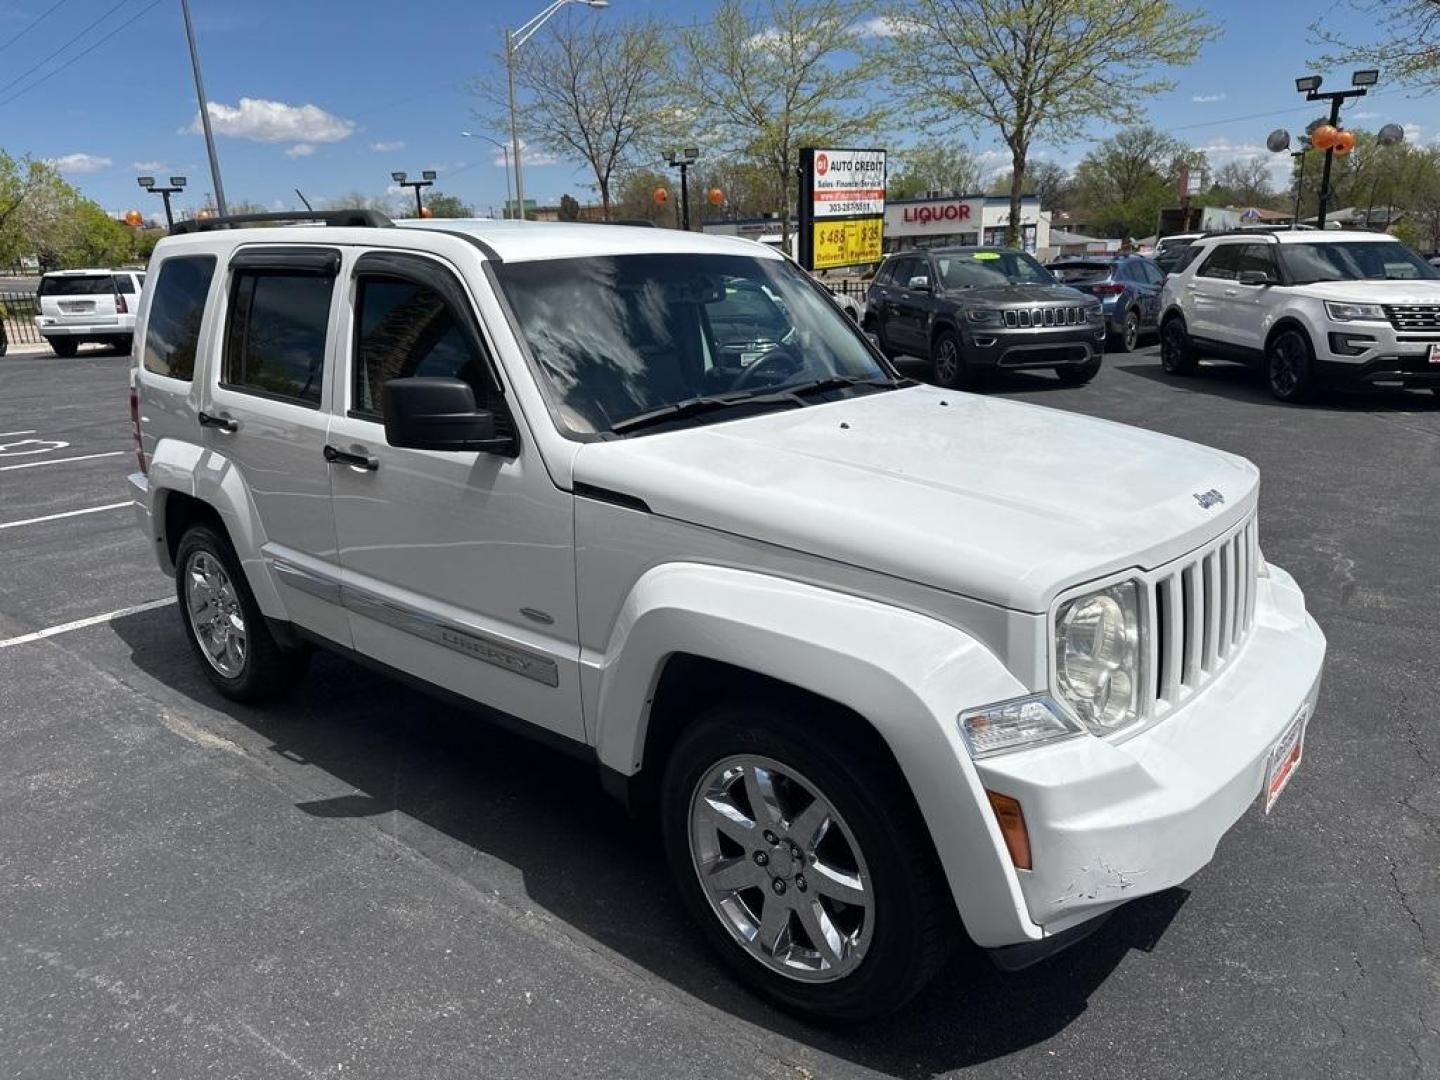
(1095, 313)
(1354, 312)
(1098, 657)
(984, 316)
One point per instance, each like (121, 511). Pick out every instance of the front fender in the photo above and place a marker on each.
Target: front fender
(909, 675)
(211, 477)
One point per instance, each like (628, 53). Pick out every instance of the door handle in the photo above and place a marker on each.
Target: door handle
(224, 423)
(335, 456)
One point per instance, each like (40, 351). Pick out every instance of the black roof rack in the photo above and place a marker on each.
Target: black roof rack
(343, 218)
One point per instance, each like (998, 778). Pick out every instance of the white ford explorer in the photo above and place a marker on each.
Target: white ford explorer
(886, 662)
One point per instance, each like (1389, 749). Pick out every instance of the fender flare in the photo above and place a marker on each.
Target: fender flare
(907, 674)
(212, 478)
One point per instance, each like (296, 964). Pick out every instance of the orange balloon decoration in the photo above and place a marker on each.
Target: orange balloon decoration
(661, 196)
(134, 218)
(1344, 142)
(716, 196)
(1324, 137)
(425, 212)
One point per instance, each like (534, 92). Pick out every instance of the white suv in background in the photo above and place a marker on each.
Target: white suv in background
(77, 306)
(878, 662)
(1311, 309)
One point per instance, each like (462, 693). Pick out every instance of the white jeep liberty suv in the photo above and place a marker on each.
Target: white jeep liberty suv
(884, 661)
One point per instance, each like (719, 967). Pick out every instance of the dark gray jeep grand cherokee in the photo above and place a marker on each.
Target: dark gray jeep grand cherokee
(972, 310)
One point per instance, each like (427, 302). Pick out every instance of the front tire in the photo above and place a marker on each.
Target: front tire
(947, 361)
(224, 623)
(1177, 355)
(1080, 374)
(1288, 367)
(64, 347)
(801, 858)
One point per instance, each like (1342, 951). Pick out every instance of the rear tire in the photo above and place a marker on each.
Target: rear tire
(897, 930)
(1288, 367)
(225, 625)
(1129, 335)
(1177, 355)
(64, 347)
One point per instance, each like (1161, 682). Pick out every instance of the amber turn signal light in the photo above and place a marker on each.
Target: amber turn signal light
(1012, 828)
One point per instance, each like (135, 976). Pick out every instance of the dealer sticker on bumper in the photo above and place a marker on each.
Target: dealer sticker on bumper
(1435, 354)
(1285, 758)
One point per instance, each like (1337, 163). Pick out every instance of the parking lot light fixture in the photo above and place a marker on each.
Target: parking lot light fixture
(1309, 85)
(427, 179)
(1365, 77)
(177, 184)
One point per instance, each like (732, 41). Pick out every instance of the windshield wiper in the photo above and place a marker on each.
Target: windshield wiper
(842, 382)
(697, 406)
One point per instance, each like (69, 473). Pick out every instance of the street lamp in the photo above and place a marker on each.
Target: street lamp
(1309, 85)
(427, 179)
(504, 150)
(682, 160)
(177, 184)
(513, 40)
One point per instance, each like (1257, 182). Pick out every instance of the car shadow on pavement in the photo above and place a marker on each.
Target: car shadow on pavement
(493, 803)
(1240, 383)
(1006, 382)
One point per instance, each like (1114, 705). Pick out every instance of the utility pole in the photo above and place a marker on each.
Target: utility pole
(204, 114)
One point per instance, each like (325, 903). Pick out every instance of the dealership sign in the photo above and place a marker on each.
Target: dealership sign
(842, 207)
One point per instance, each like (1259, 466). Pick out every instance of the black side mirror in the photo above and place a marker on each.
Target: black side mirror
(438, 414)
(1253, 277)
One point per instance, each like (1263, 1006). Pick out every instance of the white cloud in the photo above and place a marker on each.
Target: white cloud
(80, 163)
(1206, 99)
(529, 157)
(878, 26)
(1363, 115)
(274, 121)
(1220, 151)
(388, 147)
(1412, 133)
(149, 166)
(768, 36)
(300, 150)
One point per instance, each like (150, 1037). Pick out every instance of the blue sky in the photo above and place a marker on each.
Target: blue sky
(342, 92)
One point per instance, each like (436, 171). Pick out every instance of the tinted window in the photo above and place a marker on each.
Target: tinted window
(1221, 263)
(275, 342)
(1080, 271)
(1256, 257)
(77, 286)
(1153, 274)
(887, 272)
(176, 308)
(968, 269)
(124, 283)
(905, 269)
(405, 329)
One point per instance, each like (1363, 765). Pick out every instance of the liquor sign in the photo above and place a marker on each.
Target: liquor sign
(842, 207)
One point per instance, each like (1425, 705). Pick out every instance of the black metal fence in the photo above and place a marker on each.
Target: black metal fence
(848, 288)
(18, 310)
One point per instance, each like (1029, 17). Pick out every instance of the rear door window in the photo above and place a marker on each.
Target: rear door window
(172, 332)
(275, 340)
(1222, 263)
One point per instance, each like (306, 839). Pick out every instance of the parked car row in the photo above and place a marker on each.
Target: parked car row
(78, 306)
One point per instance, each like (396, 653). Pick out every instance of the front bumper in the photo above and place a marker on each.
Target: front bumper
(1049, 347)
(1112, 820)
(1375, 354)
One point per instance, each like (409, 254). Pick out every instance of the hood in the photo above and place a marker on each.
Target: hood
(1374, 292)
(991, 499)
(1016, 295)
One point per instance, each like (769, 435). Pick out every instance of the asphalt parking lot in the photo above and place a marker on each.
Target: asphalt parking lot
(364, 883)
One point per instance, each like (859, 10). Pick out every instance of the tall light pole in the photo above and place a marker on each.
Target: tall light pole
(427, 178)
(504, 150)
(682, 160)
(177, 184)
(513, 40)
(204, 113)
(1309, 85)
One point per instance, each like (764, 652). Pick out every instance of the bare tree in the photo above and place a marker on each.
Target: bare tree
(596, 92)
(947, 167)
(760, 86)
(1247, 181)
(1406, 43)
(1029, 68)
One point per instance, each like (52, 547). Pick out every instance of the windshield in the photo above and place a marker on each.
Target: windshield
(1353, 260)
(622, 336)
(1069, 272)
(977, 269)
(72, 285)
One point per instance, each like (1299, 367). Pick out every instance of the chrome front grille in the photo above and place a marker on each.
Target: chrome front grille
(1414, 316)
(1040, 317)
(1202, 608)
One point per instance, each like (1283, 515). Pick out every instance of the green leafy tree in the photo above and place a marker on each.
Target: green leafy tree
(1125, 181)
(764, 82)
(1051, 183)
(448, 206)
(947, 167)
(1405, 42)
(569, 208)
(636, 200)
(750, 190)
(1036, 68)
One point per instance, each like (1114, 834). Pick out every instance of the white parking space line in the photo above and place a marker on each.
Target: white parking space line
(4, 434)
(66, 514)
(80, 624)
(61, 461)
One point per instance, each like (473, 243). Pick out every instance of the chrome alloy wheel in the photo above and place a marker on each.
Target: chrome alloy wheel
(781, 869)
(215, 614)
